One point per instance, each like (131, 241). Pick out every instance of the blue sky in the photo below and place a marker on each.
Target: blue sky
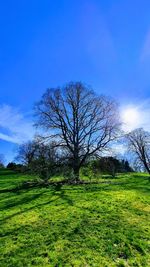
(48, 43)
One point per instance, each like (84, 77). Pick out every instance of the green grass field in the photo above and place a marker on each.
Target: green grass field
(105, 224)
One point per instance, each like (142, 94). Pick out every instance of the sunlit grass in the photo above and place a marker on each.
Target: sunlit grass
(105, 224)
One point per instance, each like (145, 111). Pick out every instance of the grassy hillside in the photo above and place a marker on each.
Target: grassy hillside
(105, 224)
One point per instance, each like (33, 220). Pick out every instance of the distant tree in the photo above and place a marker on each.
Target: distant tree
(111, 165)
(127, 167)
(81, 121)
(26, 152)
(45, 160)
(39, 158)
(11, 166)
(139, 146)
(16, 167)
(2, 160)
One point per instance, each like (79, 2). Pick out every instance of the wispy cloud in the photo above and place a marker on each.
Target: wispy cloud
(145, 53)
(98, 39)
(14, 126)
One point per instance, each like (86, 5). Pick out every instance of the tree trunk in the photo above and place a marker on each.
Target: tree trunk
(76, 170)
(76, 167)
(146, 166)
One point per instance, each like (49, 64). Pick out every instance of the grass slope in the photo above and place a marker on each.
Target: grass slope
(104, 224)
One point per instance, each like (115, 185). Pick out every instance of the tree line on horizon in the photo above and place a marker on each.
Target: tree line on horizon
(79, 128)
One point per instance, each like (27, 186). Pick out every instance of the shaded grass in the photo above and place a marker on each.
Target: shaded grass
(105, 224)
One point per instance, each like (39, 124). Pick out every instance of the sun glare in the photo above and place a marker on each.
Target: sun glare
(130, 118)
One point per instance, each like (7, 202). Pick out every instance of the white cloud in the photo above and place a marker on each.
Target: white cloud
(14, 126)
(118, 149)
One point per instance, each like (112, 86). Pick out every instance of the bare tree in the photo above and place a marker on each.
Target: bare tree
(139, 145)
(38, 158)
(79, 120)
(26, 152)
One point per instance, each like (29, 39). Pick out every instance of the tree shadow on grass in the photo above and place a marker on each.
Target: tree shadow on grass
(20, 201)
(7, 172)
(25, 186)
(56, 193)
(142, 185)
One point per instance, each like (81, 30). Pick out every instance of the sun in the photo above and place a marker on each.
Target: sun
(130, 115)
(130, 118)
